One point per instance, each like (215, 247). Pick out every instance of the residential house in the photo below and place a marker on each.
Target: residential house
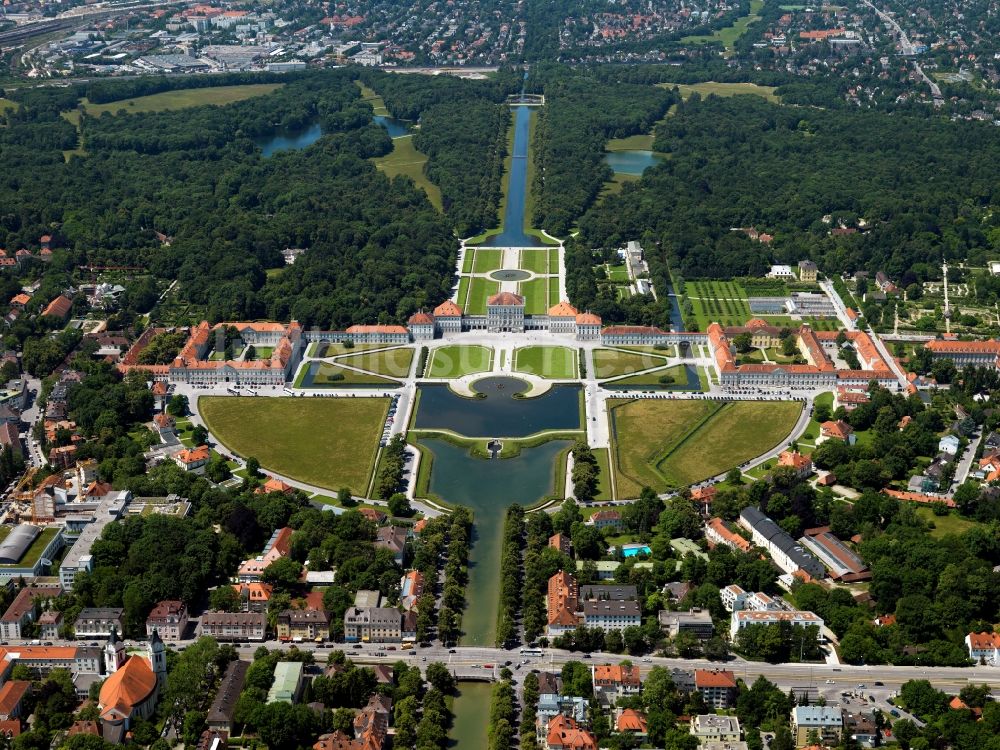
(984, 648)
(223, 708)
(611, 615)
(732, 597)
(374, 515)
(603, 592)
(785, 551)
(563, 733)
(949, 444)
(234, 626)
(802, 465)
(717, 687)
(278, 546)
(12, 695)
(714, 728)
(807, 270)
(275, 485)
(825, 721)
(606, 519)
(98, 622)
(718, 532)
(193, 460)
(303, 624)
(411, 588)
(563, 601)
(169, 618)
(562, 543)
(631, 722)
(49, 624)
(838, 430)
(372, 625)
(59, 307)
(612, 682)
(393, 538)
(605, 569)
(798, 618)
(255, 596)
(24, 609)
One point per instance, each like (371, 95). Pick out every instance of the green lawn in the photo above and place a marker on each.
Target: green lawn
(486, 260)
(7, 104)
(945, 525)
(610, 363)
(394, 363)
(666, 444)
(617, 274)
(328, 442)
(455, 361)
(739, 431)
(812, 431)
(639, 142)
(480, 290)
(604, 476)
(320, 350)
(470, 253)
(264, 352)
(328, 374)
(369, 95)
(182, 99)
(708, 88)
(728, 35)
(555, 362)
(553, 290)
(404, 159)
(652, 378)
(535, 293)
(462, 298)
(535, 260)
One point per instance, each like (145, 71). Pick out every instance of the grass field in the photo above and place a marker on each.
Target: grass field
(182, 99)
(328, 374)
(728, 36)
(553, 290)
(369, 95)
(639, 142)
(652, 378)
(945, 525)
(404, 159)
(707, 88)
(486, 259)
(722, 302)
(604, 477)
(455, 361)
(664, 444)
(610, 363)
(328, 442)
(555, 362)
(536, 261)
(480, 290)
(812, 431)
(7, 104)
(392, 362)
(319, 350)
(536, 296)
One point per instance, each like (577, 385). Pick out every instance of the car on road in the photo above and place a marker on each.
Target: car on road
(894, 713)
(861, 686)
(829, 682)
(586, 656)
(878, 684)
(451, 651)
(356, 645)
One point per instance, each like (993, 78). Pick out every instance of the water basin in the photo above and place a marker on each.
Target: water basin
(632, 162)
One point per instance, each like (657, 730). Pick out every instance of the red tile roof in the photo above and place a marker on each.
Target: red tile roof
(127, 688)
(11, 694)
(59, 307)
(447, 309)
(563, 310)
(420, 319)
(588, 319)
(506, 299)
(714, 678)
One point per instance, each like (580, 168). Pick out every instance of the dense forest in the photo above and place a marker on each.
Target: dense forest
(579, 116)
(463, 132)
(923, 187)
(376, 250)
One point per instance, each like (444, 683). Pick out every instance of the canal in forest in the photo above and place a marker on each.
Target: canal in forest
(513, 234)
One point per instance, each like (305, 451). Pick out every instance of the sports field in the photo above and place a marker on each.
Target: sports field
(554, 362)
(455, 361)
(669, 444)
(329, 442)
(610, 363)
(182, 99)
(404, 159)
(708, 88)
(395, 363)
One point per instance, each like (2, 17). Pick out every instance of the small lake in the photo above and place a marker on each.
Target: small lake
(394, 127)
(289, 140)
(488, 487)
(632, 162)
(499, 414)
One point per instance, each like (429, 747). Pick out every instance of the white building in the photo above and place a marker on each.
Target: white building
(984, 648)
(798, 618)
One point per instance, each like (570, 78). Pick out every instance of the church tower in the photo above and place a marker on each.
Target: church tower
(114, 652)
(158, 658)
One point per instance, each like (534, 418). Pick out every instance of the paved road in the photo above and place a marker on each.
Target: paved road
(470, 661)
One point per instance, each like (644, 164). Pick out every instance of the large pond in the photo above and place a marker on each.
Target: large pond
(471, 709)
(499, 414)
(513, 234)
(488, 487)
(632, 162)
(394, 127)
(289, 140)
